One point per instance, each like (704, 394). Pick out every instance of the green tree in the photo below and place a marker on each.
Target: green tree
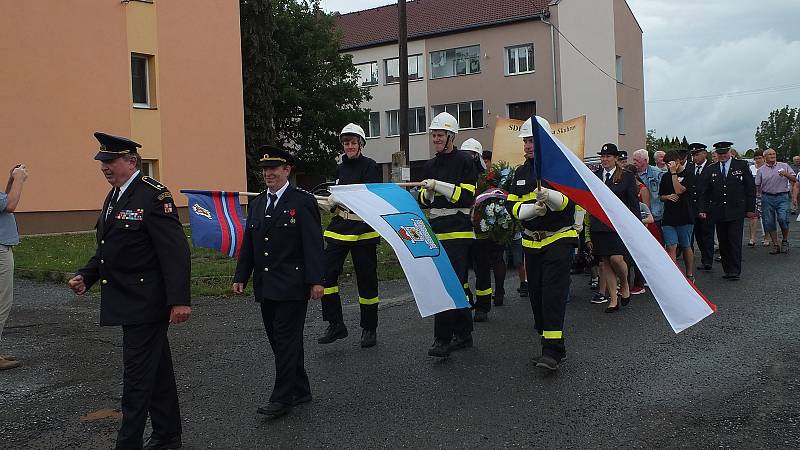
(781, 131)
(299, 90)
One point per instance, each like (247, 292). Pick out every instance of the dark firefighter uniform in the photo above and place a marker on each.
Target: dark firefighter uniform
(282, 252)
(727, 198)
(347, 233)
(449, 219)
(143, 266)
(549, 242)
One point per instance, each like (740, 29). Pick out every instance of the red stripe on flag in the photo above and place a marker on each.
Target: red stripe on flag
(237, 223)
(585, 199)
(223, 224)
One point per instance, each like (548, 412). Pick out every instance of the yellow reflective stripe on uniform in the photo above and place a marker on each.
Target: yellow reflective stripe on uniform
(331, 290)
(369, 301)
(466, 286)
(350, 237)
(469, 187)
(564, 203)
(484, 292)
(515, 210)
(553, 334)
(456, 235)
(524, 198)
(549, 240)
(456, 194)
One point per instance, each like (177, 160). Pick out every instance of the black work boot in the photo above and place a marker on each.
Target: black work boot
(547, 362)
(481, 316)
(440, 348)
(461, 342)
(523, 289)
(499, 296)
(368, 338)
(336, 330)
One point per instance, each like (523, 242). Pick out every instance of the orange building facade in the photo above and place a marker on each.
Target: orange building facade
(166, 73)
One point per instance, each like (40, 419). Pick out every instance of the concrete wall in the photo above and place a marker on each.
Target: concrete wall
(66, 74)
(630, 95)
(583, 88)
(386, 97)
(492, 85)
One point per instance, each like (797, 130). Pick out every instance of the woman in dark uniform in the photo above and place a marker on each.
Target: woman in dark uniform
(605, 242)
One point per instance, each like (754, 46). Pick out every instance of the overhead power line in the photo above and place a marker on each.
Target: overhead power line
(758, 91)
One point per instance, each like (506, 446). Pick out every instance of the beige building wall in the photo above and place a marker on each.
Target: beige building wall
(386, 97)
(630, 95)
(492, 85)
(584, 89)
(66, 74)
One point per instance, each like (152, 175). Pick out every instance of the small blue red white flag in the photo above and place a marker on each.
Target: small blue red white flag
(216, 220)
(681, 302)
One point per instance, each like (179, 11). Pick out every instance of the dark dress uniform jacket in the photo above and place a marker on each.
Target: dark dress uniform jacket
(142, 259)
(691, 168)
(458, 169)
(353, 232)
(284, 253)
(522, 192)
(625, 189)
(727, 198)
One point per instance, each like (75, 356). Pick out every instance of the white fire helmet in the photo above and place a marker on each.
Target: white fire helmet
(354, 130)
(472, 145)
(444, 121)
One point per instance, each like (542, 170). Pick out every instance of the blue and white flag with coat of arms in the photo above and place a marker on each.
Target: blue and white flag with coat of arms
(394, 213)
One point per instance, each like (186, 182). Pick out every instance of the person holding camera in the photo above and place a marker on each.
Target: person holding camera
(9, 237)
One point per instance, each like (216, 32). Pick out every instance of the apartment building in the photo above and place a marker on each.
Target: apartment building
(166, 73)
(479, 60)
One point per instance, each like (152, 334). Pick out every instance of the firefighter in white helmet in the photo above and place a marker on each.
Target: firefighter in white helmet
(448, 192)
(347, 233)
(480, 252)
(549, 240)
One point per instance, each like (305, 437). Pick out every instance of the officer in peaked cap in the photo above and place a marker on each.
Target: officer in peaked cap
(282, 252)
(727, 194)
(143, 266)
(703, 228)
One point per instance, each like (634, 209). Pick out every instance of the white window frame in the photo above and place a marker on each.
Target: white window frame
(420, 69)
(396, 112)
(371, 133)
(621, 119)
(377, 75)
(454, 107)
(149, 168)
(515, 50)
(468, 69)
(146, 59)
(619, 68)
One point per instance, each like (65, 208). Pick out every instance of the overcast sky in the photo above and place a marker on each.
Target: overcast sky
(706, 48)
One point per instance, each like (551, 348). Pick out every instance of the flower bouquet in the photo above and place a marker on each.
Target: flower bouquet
(490, 217)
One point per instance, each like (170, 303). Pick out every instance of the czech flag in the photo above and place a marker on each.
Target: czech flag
(680, 300)
(216, 220)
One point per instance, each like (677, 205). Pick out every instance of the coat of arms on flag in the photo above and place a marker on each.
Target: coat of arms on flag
(216, 220)
(415, 233)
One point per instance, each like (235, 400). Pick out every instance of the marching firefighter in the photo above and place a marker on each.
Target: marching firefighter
(482, 249)
(549, 240)
(347, 233)
(448, 193)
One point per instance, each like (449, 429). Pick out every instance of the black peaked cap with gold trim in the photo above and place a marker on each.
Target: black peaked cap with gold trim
(272, 156)
(113, 147)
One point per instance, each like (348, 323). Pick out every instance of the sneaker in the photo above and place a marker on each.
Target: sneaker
(636, 290)
(599, 298)
(594, 282)
(785, 247)
(336, 330)
(523, 289)
(440, 349)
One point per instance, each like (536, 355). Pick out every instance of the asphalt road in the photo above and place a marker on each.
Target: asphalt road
(732, 381)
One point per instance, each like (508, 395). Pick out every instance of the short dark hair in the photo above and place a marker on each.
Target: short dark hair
(758, 152)
(671, 155)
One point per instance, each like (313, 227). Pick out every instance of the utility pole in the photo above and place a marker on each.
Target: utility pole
(402, 61)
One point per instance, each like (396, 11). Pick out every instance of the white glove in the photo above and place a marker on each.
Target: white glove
(327, 204)
(532, 210)
(429, 184)
(580, 213)
(333, 201)
(553, 199)
(445, 189)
